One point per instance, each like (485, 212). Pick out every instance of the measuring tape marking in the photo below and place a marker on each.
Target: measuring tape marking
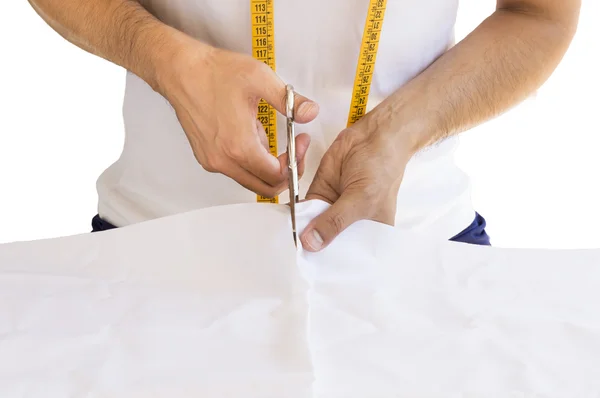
(263, 49)
(366, 60)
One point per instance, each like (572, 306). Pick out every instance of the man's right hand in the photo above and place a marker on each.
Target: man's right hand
(215, 94)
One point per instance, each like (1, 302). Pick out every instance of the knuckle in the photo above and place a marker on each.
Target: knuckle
(282, 99)
(236, 151)
(262, 67)
(271, 192)
(337, 222)
(209, 168)
(267, 192)
(200, 158)
(212, 165)
(258, 69)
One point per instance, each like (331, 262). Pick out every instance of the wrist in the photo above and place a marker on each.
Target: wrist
(389, 122)
(175, 57)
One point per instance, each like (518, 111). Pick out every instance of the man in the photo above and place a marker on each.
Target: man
(192, 138)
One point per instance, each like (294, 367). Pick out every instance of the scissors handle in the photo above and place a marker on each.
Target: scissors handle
(292, 161)
(291, 144)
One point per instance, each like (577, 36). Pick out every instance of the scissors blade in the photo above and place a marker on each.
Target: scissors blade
(292, 162)
(293, 211)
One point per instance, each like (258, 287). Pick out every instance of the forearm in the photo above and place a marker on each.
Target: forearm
(120, 31)
(498, 65)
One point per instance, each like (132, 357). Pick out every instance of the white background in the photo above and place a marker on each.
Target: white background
(534, 169)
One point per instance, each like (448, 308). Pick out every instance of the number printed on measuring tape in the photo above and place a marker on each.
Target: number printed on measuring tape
(366, 60)
(263, 49)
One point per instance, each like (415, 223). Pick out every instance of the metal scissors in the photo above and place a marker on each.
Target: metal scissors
(292, 161)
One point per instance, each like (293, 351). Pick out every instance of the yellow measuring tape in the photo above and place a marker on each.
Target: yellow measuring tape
(366, 60)
(263, 49)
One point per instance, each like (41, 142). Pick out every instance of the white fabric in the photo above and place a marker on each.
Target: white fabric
(202, 305)
(317, 52)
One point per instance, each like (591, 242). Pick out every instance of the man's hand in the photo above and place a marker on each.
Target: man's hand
(360, 176)
(500, 63)
(215, 94)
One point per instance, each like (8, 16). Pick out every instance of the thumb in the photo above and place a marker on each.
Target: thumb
(272, 89)
(321, 231)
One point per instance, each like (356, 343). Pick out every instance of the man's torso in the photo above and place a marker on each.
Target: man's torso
(316, 46)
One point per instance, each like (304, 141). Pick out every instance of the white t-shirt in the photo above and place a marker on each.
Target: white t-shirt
(157, 174)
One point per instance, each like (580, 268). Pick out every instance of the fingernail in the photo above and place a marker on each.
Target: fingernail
(306, 108)
(314, 240)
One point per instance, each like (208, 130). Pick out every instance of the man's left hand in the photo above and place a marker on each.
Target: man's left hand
(359, 175)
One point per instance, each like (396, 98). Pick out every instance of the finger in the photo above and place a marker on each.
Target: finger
(305, 110)
(259, 162)
(324, 185)
(302, 144)
(253, 183)
(272, 89)
(253, 156)
(321, 231)
(262, 135)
